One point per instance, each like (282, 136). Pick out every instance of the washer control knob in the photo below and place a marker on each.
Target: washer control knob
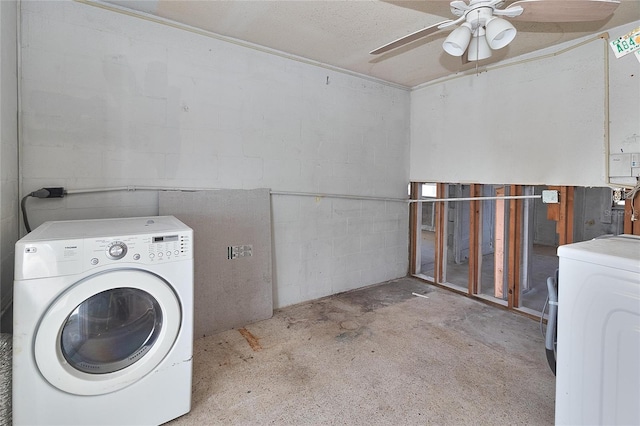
(116, 250)
(136, 256)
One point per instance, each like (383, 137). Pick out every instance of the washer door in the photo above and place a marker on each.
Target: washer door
(107, 331)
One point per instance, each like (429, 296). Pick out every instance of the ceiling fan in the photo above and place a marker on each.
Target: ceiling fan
(483, 29)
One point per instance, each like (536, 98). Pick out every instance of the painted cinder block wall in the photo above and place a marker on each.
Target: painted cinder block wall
(548, 117)
(110, 100)
(9, 198)
(97, 87)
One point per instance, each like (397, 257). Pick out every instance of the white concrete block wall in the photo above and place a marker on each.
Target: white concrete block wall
(533, 122)
(111, 100)
(341, 245)
(624, 102)
(9, 198)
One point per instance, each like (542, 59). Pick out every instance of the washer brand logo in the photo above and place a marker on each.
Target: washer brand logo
(71, 247)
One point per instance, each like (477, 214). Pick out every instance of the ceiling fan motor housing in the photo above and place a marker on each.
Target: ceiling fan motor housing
(460, 8)
(479, 16)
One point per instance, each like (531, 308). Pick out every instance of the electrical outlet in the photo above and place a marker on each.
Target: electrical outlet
(235, 252)
(617, 195)
(550, 196)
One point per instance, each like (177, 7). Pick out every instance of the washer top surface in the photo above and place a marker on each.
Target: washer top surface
(92, 228)
(72, 247)
(620, 251)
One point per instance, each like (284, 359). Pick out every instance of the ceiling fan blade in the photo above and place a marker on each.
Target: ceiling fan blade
(565, 10)
(409, 38)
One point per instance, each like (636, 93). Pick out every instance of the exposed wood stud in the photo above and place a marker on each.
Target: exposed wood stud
(569, 214)
(440, 237)
(414, 229)
(499, 244)
(515, 241)
(475, 230)
(561, 225)
(562, 214)
(632, 226)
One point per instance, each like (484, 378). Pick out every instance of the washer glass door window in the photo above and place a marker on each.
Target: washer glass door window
(111, 330)
(107, 331)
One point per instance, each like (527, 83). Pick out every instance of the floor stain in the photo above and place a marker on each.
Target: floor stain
(349, 325)
(251, 339)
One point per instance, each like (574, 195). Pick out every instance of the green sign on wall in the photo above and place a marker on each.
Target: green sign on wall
(627, 43)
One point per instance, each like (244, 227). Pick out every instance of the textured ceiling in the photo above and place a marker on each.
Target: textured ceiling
(342, 33)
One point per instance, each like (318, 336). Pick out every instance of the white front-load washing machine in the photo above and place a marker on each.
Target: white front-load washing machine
(103, 322)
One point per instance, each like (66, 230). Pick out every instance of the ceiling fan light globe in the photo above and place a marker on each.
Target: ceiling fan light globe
(479, 49)
(456, 43)
(500, 33)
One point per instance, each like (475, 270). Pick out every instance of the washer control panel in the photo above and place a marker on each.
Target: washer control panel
(147, 249)
(116, 250)
(165, 247)
(60, 248)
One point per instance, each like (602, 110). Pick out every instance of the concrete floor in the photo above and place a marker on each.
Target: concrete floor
(376, 356)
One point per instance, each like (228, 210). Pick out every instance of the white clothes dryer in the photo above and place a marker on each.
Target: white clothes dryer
(103, 322)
